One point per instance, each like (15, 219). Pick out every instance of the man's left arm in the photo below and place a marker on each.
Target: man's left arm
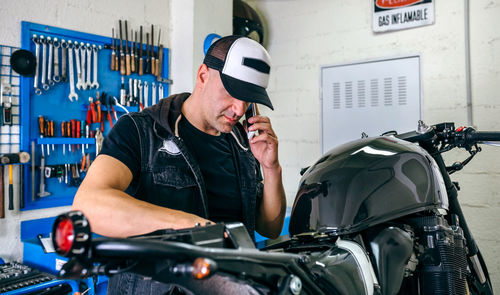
(271, 213)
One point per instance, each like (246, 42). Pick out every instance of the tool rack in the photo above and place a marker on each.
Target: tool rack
(55, 105)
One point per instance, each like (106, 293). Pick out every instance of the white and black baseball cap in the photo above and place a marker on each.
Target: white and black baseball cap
(244, 67)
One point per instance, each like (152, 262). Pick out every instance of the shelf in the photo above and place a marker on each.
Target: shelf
(65, 140)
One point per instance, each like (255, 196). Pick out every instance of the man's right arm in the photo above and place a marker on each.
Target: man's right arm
(113, 213)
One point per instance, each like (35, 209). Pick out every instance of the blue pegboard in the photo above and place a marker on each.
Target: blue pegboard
(54, 105)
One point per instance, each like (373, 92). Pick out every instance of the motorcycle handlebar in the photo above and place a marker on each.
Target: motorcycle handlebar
(482, 136)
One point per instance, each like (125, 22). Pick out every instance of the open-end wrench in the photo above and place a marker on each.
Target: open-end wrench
(88, 83)
(79, 83)
(95, 84)
(160, 91)
(139, 86)
(38, 91)
(51, 56)
(72, 93)
(57, 44)
(45, 86)
(146, 94)
(83, 60)
(153, 93)
(64, 49)
(135, 89)
(130, 96)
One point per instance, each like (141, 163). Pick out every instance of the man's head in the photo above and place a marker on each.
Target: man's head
(234, 73)
(244, 67)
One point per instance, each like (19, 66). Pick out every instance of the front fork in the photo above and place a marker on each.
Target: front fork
(475, 258)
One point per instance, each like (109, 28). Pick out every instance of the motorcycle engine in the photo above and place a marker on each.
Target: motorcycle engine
(441, 252)
(420, 255)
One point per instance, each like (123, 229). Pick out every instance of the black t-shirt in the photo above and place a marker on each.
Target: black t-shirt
(213, 154)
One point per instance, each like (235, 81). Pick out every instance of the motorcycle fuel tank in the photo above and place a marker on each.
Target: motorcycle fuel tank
(364, 183)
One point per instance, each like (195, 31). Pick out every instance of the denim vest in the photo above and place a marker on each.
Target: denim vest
(170, 176)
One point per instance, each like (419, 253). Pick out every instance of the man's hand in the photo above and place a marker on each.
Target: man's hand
(265, 145)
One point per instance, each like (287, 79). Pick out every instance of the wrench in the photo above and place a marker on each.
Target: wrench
(57, 44)
(79, 83)
(64, 50)
(153, 93)
(38, 91)
(95, 84)
(139, 85)
(130, 96)
(83, 60)
(72, 93)
(135, 89)
(160, 91)
(88, 83)
(51, 57)
(45, 86)
(146, 94)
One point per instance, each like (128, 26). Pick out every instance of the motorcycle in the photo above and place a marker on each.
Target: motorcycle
(378, 215)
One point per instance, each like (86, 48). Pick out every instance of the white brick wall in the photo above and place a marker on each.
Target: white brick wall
(304, 35)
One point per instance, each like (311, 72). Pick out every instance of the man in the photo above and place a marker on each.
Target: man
(188, 160)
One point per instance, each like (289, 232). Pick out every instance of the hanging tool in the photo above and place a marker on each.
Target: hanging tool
(64, 53)
(42, 192)
(153, 59)
(123, 93)
(122, 55)
(153, 93)
(160, 91)
(6, 107)
(76, 51)
(11, 189)
(57, 44)
(51, 56)
(141, 63)
(95, 50)
(132, 54)
(83, 51)
(63, 133)
(45, 86)
(98, 141)
(106, 101)
(146, 94)
(21, 187)
(32, 171)
(41, 130)
(73, 132)
(139, 85)
(113, 52)
(38, 91)
(2, 201)
(127, 57)
(159, 60)
(72, 94)
(147, 70)
(51, 129)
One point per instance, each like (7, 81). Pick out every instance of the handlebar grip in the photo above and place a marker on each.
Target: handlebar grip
(479, 136)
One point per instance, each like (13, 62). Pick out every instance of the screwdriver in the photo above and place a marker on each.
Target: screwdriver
(122, 55)
(41, 129)
(132, 54)
(51, 129)
(73, 132)
(11, 190)
(63, 133)
(113, 53)
(140, 54)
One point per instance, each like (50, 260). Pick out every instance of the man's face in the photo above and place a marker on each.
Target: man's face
(221, 110)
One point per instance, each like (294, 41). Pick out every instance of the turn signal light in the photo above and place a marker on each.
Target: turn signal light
(203, 268)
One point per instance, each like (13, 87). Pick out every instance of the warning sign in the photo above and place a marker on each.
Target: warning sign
(392, 15)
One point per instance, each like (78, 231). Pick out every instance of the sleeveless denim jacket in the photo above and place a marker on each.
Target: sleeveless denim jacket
(169, 174)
